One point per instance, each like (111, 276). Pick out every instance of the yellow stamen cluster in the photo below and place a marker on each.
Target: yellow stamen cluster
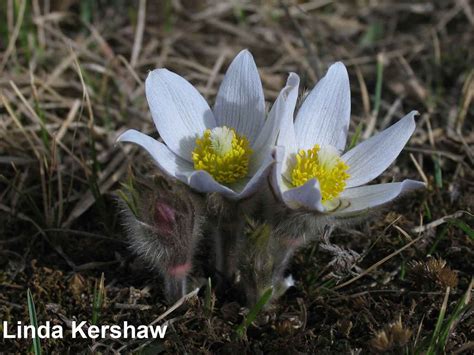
(222, 153)
(328, 168)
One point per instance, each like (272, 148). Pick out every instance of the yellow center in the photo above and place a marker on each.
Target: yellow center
(222, 153)
(324, 165)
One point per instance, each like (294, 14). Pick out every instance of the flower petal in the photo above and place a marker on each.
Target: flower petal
(324, 116)
(371, 158)
(166, 160)
(282, 111)
(287, 139)
(180, 113)
(362, 198)
(276, 177)
(202, 181)
(287, 136)
(240, 103)
(307, 196)
(259, 176)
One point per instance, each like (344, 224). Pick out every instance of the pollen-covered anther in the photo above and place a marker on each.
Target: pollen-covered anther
(222, 153)
(326, 166)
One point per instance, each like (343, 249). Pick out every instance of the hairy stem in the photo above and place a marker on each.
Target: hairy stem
(228, 233)
(175, 288)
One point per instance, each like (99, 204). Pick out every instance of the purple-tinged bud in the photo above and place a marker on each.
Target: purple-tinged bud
(165, 218)
(166, 229)
(180, 271)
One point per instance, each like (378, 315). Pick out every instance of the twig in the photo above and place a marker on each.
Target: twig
(420, 170)
(14, 36)
(137, 43)
(139, 307)
(178, 304)
(69, 118)
(382, 261)
(439, 222)
(313, 57)
(215, 70)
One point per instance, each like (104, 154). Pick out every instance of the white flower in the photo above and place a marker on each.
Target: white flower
(227, 149)
(311, 173)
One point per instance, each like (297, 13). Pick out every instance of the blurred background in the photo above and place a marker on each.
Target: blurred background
(71, 80)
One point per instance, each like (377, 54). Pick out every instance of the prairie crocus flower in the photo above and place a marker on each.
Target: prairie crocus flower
(228, 149)
(312, 174)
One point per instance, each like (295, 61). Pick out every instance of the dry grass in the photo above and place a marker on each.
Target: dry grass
(71, 80)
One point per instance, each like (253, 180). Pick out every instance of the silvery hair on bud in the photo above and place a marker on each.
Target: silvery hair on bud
(292, 230)
(164, 228)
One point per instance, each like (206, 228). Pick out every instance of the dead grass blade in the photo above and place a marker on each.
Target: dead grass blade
(137, 43)
(14, 36)
(382, 261)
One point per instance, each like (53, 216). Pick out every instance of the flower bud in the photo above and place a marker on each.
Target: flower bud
(165, 229)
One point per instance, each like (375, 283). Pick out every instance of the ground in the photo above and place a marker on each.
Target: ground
(71, 80)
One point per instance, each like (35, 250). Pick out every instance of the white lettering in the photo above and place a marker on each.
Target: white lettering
(93, 332)
(78, 329)
(43, 331)
(158, 331)
(28, 329)
(57, 332)
(83, 330)
(5, 331)
(142, 332)
(103, 330)
(126, 328)
(115, 332)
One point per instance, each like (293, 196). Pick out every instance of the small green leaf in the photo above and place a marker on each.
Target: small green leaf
(434, 343)
(98, 301)
(378, 85)
(373, 33)
(428, 213)
(440, 236)
(461, 307)
(254, 312)
(168, 16)
(463, 226)
(33, 321)
(356, 136)
(438, 173)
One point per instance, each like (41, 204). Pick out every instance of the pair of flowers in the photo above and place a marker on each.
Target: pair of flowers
(232, 148)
